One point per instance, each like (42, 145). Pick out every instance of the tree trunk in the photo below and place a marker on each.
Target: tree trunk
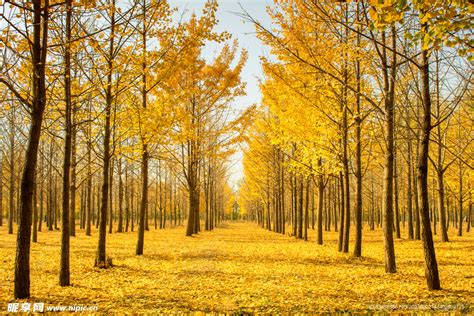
(41, 197)
(11, 208)
(395, 187)
(191, 211)
(417, 201)
(431, 266)
(319, 240)
(460, 199)
(127, 199)
(72, 216)
(389, 104)
(101, 260)
(409, 191)
(342, 219)
(64, 273)
(300, 209)
(306, 211)
(193, 185)
(144, 201)
(89, 184)
(120, 203)
(347, 202)
(358, 154)
(38, 50)
(110, 201)
(35, 212)
(469, 216)
(442, 211)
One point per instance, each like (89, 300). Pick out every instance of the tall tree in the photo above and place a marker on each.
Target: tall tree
(37, 17)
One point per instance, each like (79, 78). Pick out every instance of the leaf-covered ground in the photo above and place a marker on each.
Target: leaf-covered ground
(242, 268)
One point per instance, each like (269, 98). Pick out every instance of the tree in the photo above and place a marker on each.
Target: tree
(204, 91)
(38, 17)
(64, 271)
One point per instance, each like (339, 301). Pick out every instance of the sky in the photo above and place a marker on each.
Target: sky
(244, 32)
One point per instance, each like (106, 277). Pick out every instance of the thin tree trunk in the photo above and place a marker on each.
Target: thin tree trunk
(395, 186)
(460, 217)
(101, 260)
(300, 209)
(389, 88)
(64, 273)
(431, 266)
(342, 212)
(110, 201)
(358, 154)
(127, 199)
(11, 208)
(89, 183)
(72, 215)
(143, 203)
(35, 212)
(320, 205)
(306, 210)
(120, 202)
(409, 191)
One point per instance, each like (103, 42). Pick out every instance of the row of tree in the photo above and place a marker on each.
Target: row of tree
(354, 91)
(167, 201)
(129, 124)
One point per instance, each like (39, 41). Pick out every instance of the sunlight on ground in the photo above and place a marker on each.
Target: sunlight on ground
(240, 267)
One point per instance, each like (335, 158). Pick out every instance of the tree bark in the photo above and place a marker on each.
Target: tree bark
(431, 266)
(101, 260)
(319, 240)
(89, 180)
(395, 197)
(389, 103)
(342, 219)
(143, 202)
(120, 219)
(358, 154)
(347, 202)
(441, 209)
(110, 201)
(11, 208)
(306, 211)
(72, 215)
(300, 209)
(64, 273)
(38, 50)
(460, 199)
(409, 191)
(35, 212)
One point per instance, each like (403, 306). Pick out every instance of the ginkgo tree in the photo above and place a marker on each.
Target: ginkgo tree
(123, 120)
(203, 93)
(355, 51)
(153, 18)
(441, 22)
(36, 15)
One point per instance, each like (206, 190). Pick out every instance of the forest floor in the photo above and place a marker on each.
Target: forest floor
(242, 268)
